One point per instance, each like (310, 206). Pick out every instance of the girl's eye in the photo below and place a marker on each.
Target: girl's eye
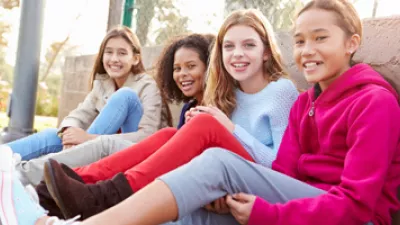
(228, 46)
(122, 53)
(108, 52)
(249, 45)
(176, 69)
(321, 38)
(299, 42)
(191, 66)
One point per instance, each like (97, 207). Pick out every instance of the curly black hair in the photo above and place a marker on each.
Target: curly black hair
(201, 43)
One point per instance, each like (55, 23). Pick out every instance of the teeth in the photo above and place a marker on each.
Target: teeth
(239, 65)
(310, 65)
(115, 67)
(187, 83)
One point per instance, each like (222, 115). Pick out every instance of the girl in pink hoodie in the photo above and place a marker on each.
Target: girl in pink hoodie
(338, 163)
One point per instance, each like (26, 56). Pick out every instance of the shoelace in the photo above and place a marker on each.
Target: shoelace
(55, 221)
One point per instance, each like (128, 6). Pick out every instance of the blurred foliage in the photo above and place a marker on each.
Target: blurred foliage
(9, 4)
(280, 13)
(164, 15)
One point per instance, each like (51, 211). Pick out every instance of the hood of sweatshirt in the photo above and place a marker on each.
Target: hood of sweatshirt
(355, 77)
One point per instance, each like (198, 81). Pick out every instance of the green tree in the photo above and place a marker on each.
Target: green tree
(145, 13)
(171, 22)
(278, 12)
(165, 14)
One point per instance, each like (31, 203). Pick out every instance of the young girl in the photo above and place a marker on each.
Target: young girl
(247, 65)
(181, 70)
(338, 162)
(31, 172)
(122, 98)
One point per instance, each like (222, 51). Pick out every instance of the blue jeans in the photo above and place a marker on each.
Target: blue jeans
(123, 110)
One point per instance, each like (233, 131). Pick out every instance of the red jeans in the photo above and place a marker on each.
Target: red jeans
(162, 152)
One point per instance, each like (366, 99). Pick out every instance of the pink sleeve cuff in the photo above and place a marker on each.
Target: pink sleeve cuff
(259, 212)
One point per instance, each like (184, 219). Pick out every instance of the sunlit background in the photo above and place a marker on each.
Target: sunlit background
(78, 26)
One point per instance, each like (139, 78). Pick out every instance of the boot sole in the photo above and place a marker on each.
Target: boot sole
(53, 189)
(7, 211)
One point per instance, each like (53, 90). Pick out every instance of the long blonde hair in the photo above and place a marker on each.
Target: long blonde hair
(220, 90)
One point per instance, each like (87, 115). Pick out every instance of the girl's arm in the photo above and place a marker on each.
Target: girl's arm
(373, 138)
(85, 113)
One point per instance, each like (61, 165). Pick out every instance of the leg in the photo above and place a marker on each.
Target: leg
(123, 110)
(31, 172)
(121, 161)
(202, 132)
(19, 205)
(38, 144)
(183, 192)
(231, 174)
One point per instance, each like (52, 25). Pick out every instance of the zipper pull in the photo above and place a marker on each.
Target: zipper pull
(311, 112)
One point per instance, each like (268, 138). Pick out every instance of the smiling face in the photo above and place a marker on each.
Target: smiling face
(243, 55)
(322, 49)
(118, 59)
(189, 72)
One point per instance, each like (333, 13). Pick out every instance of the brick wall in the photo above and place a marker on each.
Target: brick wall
(380, 48)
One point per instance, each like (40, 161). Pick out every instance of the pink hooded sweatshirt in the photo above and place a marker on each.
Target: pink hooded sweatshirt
(345, 142)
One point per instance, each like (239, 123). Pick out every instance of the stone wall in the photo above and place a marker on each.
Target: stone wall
(380, 48)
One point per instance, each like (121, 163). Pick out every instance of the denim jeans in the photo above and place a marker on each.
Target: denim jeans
(122, 111)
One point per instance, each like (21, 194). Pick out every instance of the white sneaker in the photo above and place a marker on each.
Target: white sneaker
(55, 221)
(16, 205)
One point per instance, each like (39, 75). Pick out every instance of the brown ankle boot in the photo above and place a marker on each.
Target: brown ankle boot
(75, 198)
(46, 200)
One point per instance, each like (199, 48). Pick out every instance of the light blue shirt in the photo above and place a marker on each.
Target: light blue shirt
(261, 119)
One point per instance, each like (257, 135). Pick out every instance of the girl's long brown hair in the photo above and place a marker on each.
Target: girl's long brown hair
(128, 36)
(220, 90)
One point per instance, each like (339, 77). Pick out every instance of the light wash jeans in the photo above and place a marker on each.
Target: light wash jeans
(123, 110)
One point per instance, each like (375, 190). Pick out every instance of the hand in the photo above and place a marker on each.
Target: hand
(241, 206)
(189, 114)
(75, 136)
(219, 115)
(218, 206)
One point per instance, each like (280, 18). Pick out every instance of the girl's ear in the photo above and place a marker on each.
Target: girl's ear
(353, 44)
(266, 55)
(135, 59)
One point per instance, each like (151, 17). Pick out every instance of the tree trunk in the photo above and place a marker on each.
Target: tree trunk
(115, 13)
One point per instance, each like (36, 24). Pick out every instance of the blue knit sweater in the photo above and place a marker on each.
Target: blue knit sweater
(260, 119)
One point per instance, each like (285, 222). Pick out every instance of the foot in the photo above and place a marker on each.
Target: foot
(46, 200)
(75, 198)
(16, 205)
(71, 173)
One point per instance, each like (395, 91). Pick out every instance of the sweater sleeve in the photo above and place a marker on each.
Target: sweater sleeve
(373, 134)
(85, 113)
(286, 95)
